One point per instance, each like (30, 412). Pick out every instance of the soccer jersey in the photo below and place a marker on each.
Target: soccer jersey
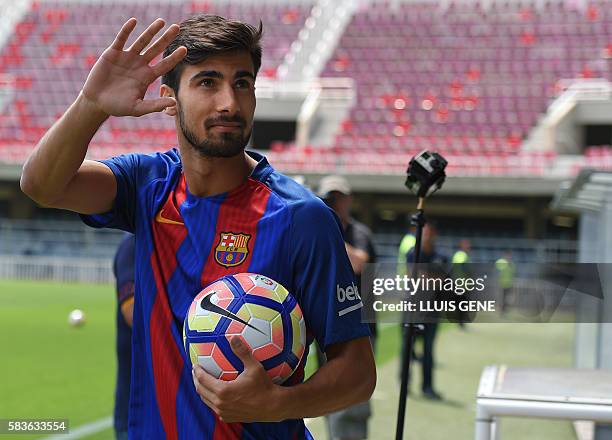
(268, 225)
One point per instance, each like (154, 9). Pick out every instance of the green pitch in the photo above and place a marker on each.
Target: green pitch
(50, 369)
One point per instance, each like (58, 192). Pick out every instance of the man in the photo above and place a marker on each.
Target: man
(460, 269)
(123, 269)
(189, 207)
(351, 423)
(505, 272)
(435, 261)
(407, 243)
(462, 256)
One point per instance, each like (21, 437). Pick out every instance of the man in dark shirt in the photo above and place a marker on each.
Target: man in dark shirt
(429, 255)
(123, 269)
(351, 423)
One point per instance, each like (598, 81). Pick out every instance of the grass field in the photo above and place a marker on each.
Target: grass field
(52, 370)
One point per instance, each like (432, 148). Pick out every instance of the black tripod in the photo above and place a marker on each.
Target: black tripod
(425, 175)
(408, 329)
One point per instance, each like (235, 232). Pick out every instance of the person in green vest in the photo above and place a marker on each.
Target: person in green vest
(460, 269)
(505, 272)
(462, 255)
(407, 243)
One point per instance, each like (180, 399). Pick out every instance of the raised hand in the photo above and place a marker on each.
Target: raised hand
(119, 80)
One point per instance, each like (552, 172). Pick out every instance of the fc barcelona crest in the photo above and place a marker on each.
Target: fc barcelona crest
(232, 249)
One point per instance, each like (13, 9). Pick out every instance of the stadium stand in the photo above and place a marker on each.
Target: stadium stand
(600, 155)
(469, 79)
(56, 43)
(466, 80)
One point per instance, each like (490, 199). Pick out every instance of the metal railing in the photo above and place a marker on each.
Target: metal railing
(488, 249)
(65, 270)
(69, 251)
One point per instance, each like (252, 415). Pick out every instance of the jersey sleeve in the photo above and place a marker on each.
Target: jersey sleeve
(122, 215)
(324, 283)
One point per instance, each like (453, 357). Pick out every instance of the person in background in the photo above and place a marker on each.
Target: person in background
(462, 255)
(123, 270)
(407, 243)
(505, 271)
(350, 423)
(429, 255)
(460, 269)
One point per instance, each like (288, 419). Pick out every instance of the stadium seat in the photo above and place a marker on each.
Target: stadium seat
(463, 77)
(56, 44)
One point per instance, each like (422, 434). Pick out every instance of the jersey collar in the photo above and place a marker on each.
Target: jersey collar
(263, 169)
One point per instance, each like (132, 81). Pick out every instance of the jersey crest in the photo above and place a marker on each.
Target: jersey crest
(232, 249)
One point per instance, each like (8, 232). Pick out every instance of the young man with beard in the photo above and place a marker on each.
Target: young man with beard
(199, 212)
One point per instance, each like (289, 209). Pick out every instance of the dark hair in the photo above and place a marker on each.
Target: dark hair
(204, 35)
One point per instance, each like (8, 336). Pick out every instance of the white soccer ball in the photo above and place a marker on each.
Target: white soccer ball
(76, 318)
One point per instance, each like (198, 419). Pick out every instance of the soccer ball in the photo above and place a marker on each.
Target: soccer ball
(258, 310)
(76, 318)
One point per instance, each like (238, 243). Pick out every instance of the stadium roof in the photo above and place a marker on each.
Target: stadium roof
(586, 193)
(389, 183)
(454, 185)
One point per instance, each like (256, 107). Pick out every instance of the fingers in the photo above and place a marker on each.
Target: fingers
(207, 388)
(243, 352)
(124, 34)
(145, 38)
(207, 381)
(161, 43)
(205, 396)
(144, 107)
(166, 65)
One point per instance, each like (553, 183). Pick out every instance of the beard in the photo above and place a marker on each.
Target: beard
(223, 145)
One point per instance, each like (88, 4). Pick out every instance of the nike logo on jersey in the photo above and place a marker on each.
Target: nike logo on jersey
(161, 219)
(208, 305)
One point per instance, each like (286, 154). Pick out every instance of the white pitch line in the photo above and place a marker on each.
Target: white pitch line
(97, 426)
(84, 430)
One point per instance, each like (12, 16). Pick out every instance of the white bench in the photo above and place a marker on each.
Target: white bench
(558, 393)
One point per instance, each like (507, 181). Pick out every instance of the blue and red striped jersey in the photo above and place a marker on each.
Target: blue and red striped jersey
(286, 233)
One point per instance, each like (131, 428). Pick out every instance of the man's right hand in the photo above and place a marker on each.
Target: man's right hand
(118, 81)
(56, 174)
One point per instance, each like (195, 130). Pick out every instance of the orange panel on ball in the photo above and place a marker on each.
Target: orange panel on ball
(223, 292)
(266, 352)
(229, 375)
(204, 348)
(245, 281)
(280, 373)
(235, 328)
(221, 360)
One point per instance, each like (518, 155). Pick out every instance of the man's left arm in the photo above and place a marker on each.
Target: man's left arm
(348, 377)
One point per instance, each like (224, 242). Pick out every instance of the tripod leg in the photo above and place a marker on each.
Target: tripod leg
(407, 340)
